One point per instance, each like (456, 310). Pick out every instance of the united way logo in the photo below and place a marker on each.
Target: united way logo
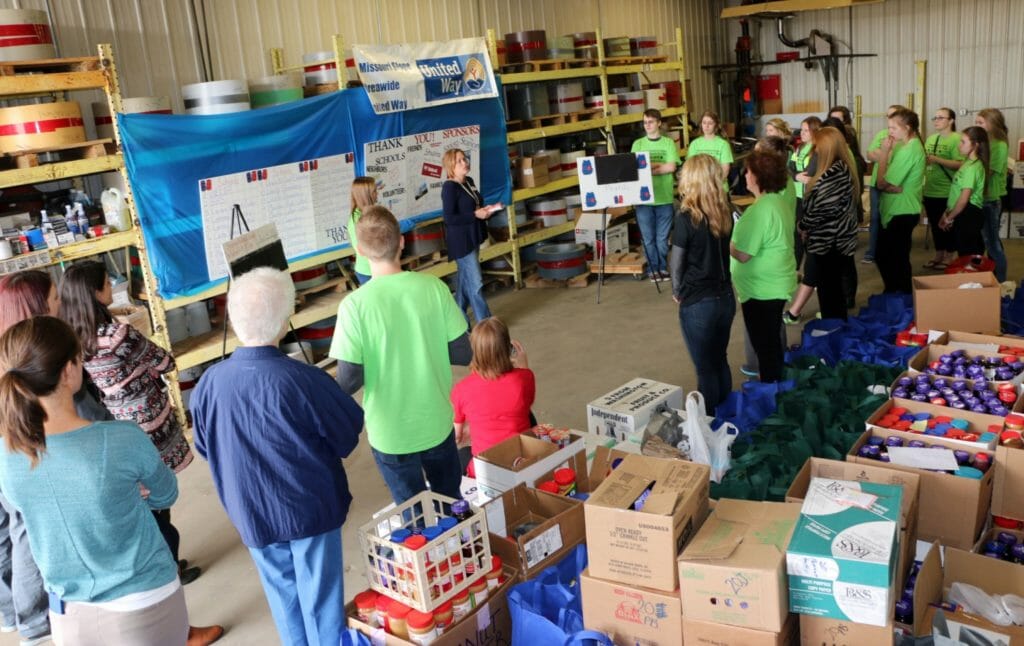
(450, 77)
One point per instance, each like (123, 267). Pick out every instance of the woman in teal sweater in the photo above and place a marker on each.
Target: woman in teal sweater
(110, 575)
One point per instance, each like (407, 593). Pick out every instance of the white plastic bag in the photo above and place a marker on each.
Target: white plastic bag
(707, 446)
(977, 601)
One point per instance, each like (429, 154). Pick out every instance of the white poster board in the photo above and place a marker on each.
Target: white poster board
(597, 194)
(408, 169)
(307, 200)
(419, 75)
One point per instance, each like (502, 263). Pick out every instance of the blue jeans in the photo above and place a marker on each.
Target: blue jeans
(23, 601)
(874, 196)
(403, 473)
(304, 584)
(655, 222)
(990, 233)
(706, 325)
(469, 286)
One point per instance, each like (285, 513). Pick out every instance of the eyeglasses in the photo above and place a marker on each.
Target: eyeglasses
(939, 118)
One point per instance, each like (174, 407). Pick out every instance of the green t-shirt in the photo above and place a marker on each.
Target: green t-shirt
(362, 264)
(801, 158)
(875, 144)
(906, 169)
(997, 162)
(765, 231)
(937, 178)
(717, 147)
(398, 328)
(662, 151)
(971, 175)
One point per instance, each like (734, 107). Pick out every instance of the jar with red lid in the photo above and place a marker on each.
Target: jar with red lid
(397, 614)
(478, 592)
(461, 605)
(381, 608)
(421, 627)
(549, 486)
(415, 542)
(366, 607)
(494, 577)
(443, 617)
(566, 481)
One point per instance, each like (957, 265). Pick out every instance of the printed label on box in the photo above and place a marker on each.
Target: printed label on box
(544, 545)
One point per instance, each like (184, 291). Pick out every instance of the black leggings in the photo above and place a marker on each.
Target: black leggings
(833, 274)
(967, 231)
(935, 207)
(763, 320)
(893, 254)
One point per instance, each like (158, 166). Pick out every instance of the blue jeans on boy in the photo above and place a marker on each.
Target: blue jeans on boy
(303, 581)
(874, 196)
(469, 286)
(655, 223)
(23, 601)
(706, 325)
(992, 211)
(403, 473)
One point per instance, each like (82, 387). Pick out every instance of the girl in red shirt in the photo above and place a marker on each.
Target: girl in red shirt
(493, 402)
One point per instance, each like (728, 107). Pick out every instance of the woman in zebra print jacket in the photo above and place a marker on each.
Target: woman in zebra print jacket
(829, 223)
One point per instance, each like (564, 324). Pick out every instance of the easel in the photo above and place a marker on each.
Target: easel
(238, 219)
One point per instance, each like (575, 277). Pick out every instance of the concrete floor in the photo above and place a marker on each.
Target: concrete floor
(578, 349)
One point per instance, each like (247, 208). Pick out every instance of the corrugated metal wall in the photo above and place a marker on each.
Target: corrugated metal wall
(155, 41)
(974, 51)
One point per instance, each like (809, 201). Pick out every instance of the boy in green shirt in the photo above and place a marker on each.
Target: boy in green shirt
(655, 220)
(397, 337)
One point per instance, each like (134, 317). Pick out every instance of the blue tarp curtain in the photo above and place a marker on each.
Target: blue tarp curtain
(166, 156)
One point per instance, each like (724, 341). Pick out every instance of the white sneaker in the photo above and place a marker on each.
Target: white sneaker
(36, 641)
(8, 629)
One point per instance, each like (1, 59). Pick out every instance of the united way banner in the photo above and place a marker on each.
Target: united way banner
(289, 165)
(407, 77)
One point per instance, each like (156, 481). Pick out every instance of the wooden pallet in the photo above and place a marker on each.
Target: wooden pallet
(422, 261)
(317, 90)
(339, 284)
(500, 234)
(50, 65)
(585, 115)
(546, 120)
(534, 281)
(633, 60)
(548, 64)
(629, 262)
(82, 150)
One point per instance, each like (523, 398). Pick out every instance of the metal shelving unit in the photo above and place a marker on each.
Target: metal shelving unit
(604, 68)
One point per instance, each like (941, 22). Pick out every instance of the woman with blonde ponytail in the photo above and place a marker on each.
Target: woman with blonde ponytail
(109, 573)
(701, 281)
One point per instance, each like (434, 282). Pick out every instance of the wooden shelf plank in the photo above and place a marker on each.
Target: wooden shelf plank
(521, 194)
(550, 75)
(92, 246)
(791, 6)
(641, 68)
(546, 233)
(60, 170)
(56, 82)
(517, 136)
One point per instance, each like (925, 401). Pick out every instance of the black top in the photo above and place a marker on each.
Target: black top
(463, 230)
(699, 262)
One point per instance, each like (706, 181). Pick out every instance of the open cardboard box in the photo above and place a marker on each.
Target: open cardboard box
(558, 519)
(822, 468)
(524, 458)
(1008, 483)
(628, 408)
(490, 623)
(734, 570)
(993, 577)
(640, 547)
(983, 343)
(979, 423)
(927, 590)
(940, 304)
(929, 353)
(939, 493)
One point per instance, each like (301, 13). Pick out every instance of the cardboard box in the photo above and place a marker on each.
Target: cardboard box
(526, 459)
(927, 590)
(706, 633)
(993, 577)
(557, 520)
(1008, 483)
(490, 624)
(631, 614)
(615, 239)
(640, 547)
(930, 354)
(939, 304)
(939, 493)
(842, 557)
(136, 316)
(819, 631)
(734, 570)
(985, 343)
(978, 423)
(822, 468)
(532, 172)
(628, 408)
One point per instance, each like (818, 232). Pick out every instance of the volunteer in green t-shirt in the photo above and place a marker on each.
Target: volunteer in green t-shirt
(712, 143)
(763, 267)
(655, 219)
(874, 155)
(994, 123)
(900, 181)
(963, 216)
(397, 337)
(364, 194)
(943, 154)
